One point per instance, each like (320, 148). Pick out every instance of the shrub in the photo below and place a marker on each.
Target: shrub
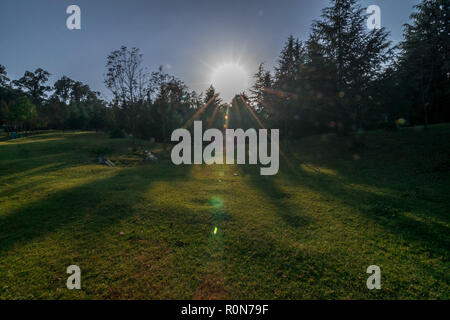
(117, 133)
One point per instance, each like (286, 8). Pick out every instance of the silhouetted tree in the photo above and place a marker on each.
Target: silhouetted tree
(34, 84)
(128, 82)
(349, 56)
(424, 63)
(4, 80)
(260, 90)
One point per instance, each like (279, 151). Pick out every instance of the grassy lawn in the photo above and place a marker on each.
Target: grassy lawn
(146, 231)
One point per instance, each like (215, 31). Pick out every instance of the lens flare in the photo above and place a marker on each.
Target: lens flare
(216, 202)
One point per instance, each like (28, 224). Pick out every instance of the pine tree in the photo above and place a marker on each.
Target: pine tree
(425, 63)
(290, 62)
(213, 115)
(287, 84)
(259, 92)
(349, 57)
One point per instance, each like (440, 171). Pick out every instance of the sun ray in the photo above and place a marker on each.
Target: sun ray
(284, 94)
(280, 93)
(252, 112)
(200, 111)
(290, 164)
(227, 117)
(236, 106)
(213, 117)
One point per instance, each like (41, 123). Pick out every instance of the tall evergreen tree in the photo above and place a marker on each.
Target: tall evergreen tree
(260, 90)
(353, 56)
(290, 62)
(424, 64)
(287, 83)
(213, 115)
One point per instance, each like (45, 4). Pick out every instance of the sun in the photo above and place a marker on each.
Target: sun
(230, 79)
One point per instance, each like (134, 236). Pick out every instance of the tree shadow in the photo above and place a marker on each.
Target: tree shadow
(63, 208)
(414, 220)
(274, 195)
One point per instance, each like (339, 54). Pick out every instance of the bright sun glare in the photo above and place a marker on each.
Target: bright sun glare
(230, 79)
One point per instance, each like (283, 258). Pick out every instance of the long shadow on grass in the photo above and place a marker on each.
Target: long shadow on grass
(386, 210)
(17, 156)
(29, 178)
(274, 195)
(119, 193)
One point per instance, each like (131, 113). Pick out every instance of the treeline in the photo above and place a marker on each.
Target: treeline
(343, 78)
(145, 105)
(25, 104)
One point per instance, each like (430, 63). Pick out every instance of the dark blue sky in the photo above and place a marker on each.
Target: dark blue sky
(185, 36)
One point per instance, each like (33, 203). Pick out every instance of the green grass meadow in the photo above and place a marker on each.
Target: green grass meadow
(146, 230)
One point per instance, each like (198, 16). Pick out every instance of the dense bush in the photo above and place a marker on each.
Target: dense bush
(117, 133)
